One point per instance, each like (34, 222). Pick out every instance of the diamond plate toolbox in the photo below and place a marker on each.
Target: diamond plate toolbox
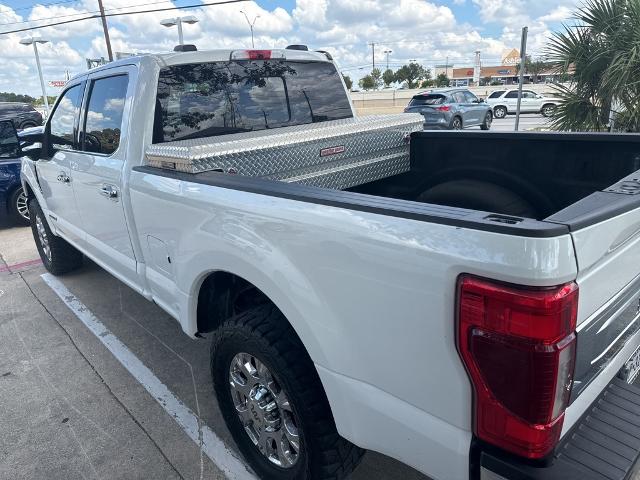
(337, 154)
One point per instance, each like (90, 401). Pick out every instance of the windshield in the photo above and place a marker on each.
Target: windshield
(219, 98)
(420, 100)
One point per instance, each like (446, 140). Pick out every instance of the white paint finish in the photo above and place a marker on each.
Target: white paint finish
(607, 250)
(367, 415)
(103, 219)
(371, 296)
(210, 443)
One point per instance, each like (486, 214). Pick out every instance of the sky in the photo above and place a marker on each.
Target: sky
(429, 31)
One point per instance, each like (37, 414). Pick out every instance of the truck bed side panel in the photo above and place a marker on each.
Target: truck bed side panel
(372, 297)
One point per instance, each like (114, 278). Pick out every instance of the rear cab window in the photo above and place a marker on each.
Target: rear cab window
(430, 99)
(220, 98)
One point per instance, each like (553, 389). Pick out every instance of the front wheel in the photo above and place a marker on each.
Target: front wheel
(57, 255)
(488, 119)
(18, 208)
(273, 402)
(500, 112)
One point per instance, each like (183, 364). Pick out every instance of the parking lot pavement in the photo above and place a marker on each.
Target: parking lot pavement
(76, 411)
(528, 121)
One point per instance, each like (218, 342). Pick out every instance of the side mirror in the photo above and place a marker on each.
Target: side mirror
(9, 144)
(31, 140)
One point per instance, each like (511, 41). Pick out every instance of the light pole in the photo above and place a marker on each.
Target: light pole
(251, 24)
(387, 53)
(170, 22)
(35, 41)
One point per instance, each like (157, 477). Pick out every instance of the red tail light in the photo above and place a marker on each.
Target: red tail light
(444, 108)
(518, 345)
(257, 54)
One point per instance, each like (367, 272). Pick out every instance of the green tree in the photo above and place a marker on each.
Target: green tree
(376, 74)
(367, 83)
(601, 52)
(16, 97)
(427, 83)
(412, 74)
(347, 81)
(442, 80)
(388, 77)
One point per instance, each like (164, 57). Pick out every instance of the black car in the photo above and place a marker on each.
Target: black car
(22, 114)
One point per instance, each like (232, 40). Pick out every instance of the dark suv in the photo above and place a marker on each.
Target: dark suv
(22, 114)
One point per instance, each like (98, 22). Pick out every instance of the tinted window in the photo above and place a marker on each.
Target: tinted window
(201, 100)
(8, 140)
(513, 94)
(528, 94)
(103, 121)
(459, 97)
(63, 118)
(496, 94)
(433, 99)
(471, 98)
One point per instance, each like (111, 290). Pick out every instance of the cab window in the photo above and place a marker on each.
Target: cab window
(63, 119)
(103, 117)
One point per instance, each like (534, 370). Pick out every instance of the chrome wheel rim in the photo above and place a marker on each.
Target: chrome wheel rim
(43, 238)
(21, 205)
(500, 112)
(548, 111)
(457, 124)
(264, 410)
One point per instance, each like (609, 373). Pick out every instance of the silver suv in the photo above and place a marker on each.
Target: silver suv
(451, 109)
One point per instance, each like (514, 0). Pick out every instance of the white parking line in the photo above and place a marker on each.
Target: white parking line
(212, 445)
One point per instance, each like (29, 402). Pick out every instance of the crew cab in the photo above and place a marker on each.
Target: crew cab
(464, 302)
(505, 102)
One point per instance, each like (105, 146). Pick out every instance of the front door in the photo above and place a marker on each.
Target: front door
(54, 166)
(98, 172)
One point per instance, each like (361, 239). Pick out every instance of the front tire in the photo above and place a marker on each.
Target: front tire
(500, 112)
(488, 119)
(58, 256)
(273, 402)
(18, 207)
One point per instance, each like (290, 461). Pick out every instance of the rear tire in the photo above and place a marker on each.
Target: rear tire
(456, 123)
(261, 340)
(18, 207)
(57, 255)
(488, 119)
(548, 110)
(500, 112)
(478, 195)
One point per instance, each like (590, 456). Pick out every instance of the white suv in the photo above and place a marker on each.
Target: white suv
(504, 102)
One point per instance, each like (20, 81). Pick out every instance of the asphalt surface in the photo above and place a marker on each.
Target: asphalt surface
(528, 121)
(69, 407)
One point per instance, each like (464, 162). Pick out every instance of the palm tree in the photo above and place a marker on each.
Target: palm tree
(602, 54)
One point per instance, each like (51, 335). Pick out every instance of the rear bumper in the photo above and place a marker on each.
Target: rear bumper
(603, 444)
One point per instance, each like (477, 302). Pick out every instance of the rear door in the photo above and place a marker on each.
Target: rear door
(54, 167)
(511, 100)
(98, 172)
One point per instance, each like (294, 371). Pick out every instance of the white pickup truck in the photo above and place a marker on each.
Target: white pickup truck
(465, 302)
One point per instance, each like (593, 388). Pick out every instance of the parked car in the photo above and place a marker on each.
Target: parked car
(451, 109)
(23, 115)
(504, 102)
(13, 201)
(463, 302)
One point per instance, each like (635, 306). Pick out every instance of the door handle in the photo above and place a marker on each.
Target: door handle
(109, 191)
(63, 177)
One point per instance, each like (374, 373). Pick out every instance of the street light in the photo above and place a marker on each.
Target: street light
(387, 53)
(35, 41)
(251, 24)
(170, 22)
